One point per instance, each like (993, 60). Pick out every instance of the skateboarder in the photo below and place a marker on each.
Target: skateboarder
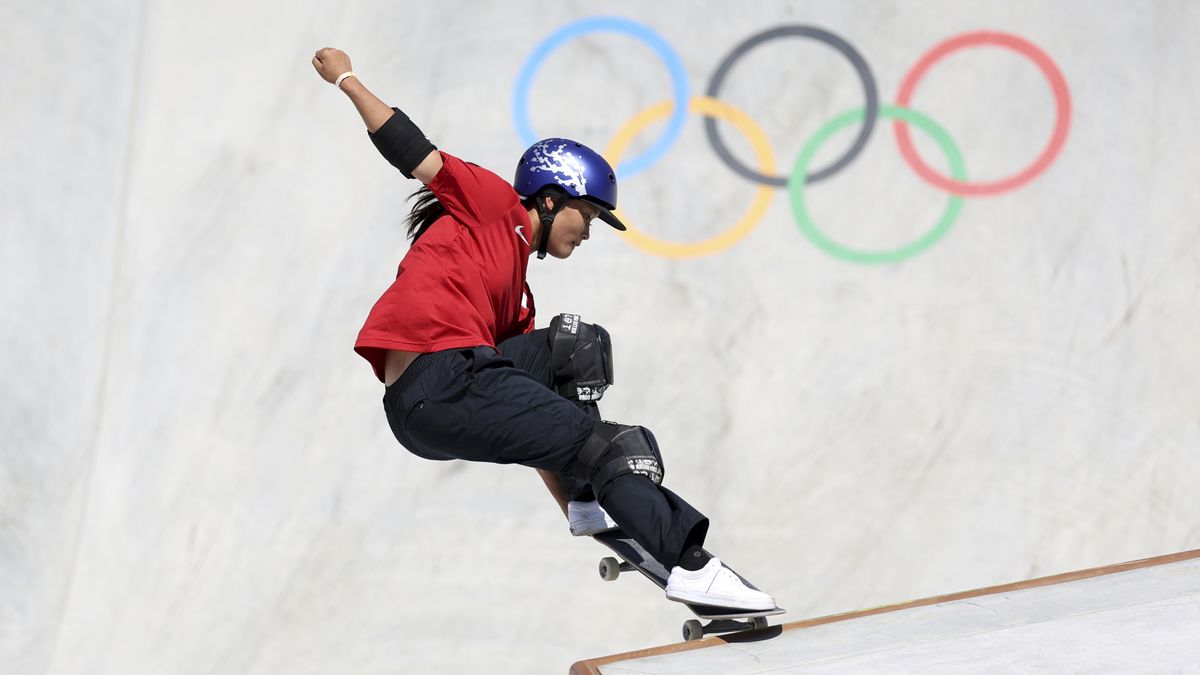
(467, 376)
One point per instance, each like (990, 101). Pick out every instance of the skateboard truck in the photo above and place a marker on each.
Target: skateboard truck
(611, 568)
(693, 629)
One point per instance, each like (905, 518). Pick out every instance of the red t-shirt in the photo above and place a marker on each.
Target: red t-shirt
(462, 282)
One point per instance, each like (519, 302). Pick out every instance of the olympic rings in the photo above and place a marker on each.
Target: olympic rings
(679, 81)
(901, 114)
(1062, 105)
(958, 169)
(711, 108)
(860, 66)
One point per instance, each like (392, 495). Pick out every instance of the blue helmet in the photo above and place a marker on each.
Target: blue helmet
(572, 167)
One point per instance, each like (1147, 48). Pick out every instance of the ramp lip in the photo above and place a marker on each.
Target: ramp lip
(592, 666)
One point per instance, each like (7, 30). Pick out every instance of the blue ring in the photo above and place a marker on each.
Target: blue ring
(679, 80)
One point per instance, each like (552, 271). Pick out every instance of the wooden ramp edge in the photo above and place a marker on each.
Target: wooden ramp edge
(592, 666)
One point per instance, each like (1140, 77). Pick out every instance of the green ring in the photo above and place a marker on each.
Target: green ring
(958, 171)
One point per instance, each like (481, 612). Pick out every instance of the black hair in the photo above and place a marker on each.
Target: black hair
(428, 209)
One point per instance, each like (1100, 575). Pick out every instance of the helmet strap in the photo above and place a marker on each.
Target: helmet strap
(546, 215)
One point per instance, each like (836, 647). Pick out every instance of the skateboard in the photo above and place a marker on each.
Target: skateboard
(721, 619)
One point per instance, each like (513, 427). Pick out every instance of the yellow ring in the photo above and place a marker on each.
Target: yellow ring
(709, 107)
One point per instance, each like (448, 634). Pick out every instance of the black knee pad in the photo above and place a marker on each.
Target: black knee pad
(580, 358)
(614, 450)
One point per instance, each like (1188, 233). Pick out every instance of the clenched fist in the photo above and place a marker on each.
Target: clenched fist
(333, 63)
(330, 63)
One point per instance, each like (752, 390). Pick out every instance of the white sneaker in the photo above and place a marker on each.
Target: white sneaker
(587, 518)
(715, 584)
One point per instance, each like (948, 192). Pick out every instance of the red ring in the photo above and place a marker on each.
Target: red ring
(1062, 104)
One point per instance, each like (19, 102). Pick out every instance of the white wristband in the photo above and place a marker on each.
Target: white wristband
(349, 73)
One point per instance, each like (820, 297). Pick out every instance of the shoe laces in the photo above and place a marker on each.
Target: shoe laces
(726, 573)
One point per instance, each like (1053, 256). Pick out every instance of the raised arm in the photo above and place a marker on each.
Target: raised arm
(399, 140)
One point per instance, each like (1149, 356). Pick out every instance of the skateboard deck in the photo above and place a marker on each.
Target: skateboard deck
(634, 557)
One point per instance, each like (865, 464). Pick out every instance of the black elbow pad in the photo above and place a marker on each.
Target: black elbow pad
(401, 143)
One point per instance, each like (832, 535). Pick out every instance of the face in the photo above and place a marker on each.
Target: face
(572, 226)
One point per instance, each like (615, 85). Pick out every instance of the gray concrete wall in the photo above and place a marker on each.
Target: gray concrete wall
(195, 473)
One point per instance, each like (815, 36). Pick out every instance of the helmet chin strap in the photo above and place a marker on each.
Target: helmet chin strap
(557, 202)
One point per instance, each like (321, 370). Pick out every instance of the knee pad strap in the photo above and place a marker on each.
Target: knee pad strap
(614, 450)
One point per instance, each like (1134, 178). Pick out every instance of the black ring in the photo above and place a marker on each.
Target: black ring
(864, 74)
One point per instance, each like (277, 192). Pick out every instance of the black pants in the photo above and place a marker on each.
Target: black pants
(477, 405)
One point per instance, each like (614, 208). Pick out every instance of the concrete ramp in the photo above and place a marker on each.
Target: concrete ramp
(1137, 617)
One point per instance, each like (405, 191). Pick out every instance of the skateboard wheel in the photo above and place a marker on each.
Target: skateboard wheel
(610, 569)
(758, 623)
(692, 630)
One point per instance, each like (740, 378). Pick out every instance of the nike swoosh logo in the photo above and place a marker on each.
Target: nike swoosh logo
(522, 235)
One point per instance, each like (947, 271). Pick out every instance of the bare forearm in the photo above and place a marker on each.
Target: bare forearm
(406, 148)
(332, 64)
(373, 111)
